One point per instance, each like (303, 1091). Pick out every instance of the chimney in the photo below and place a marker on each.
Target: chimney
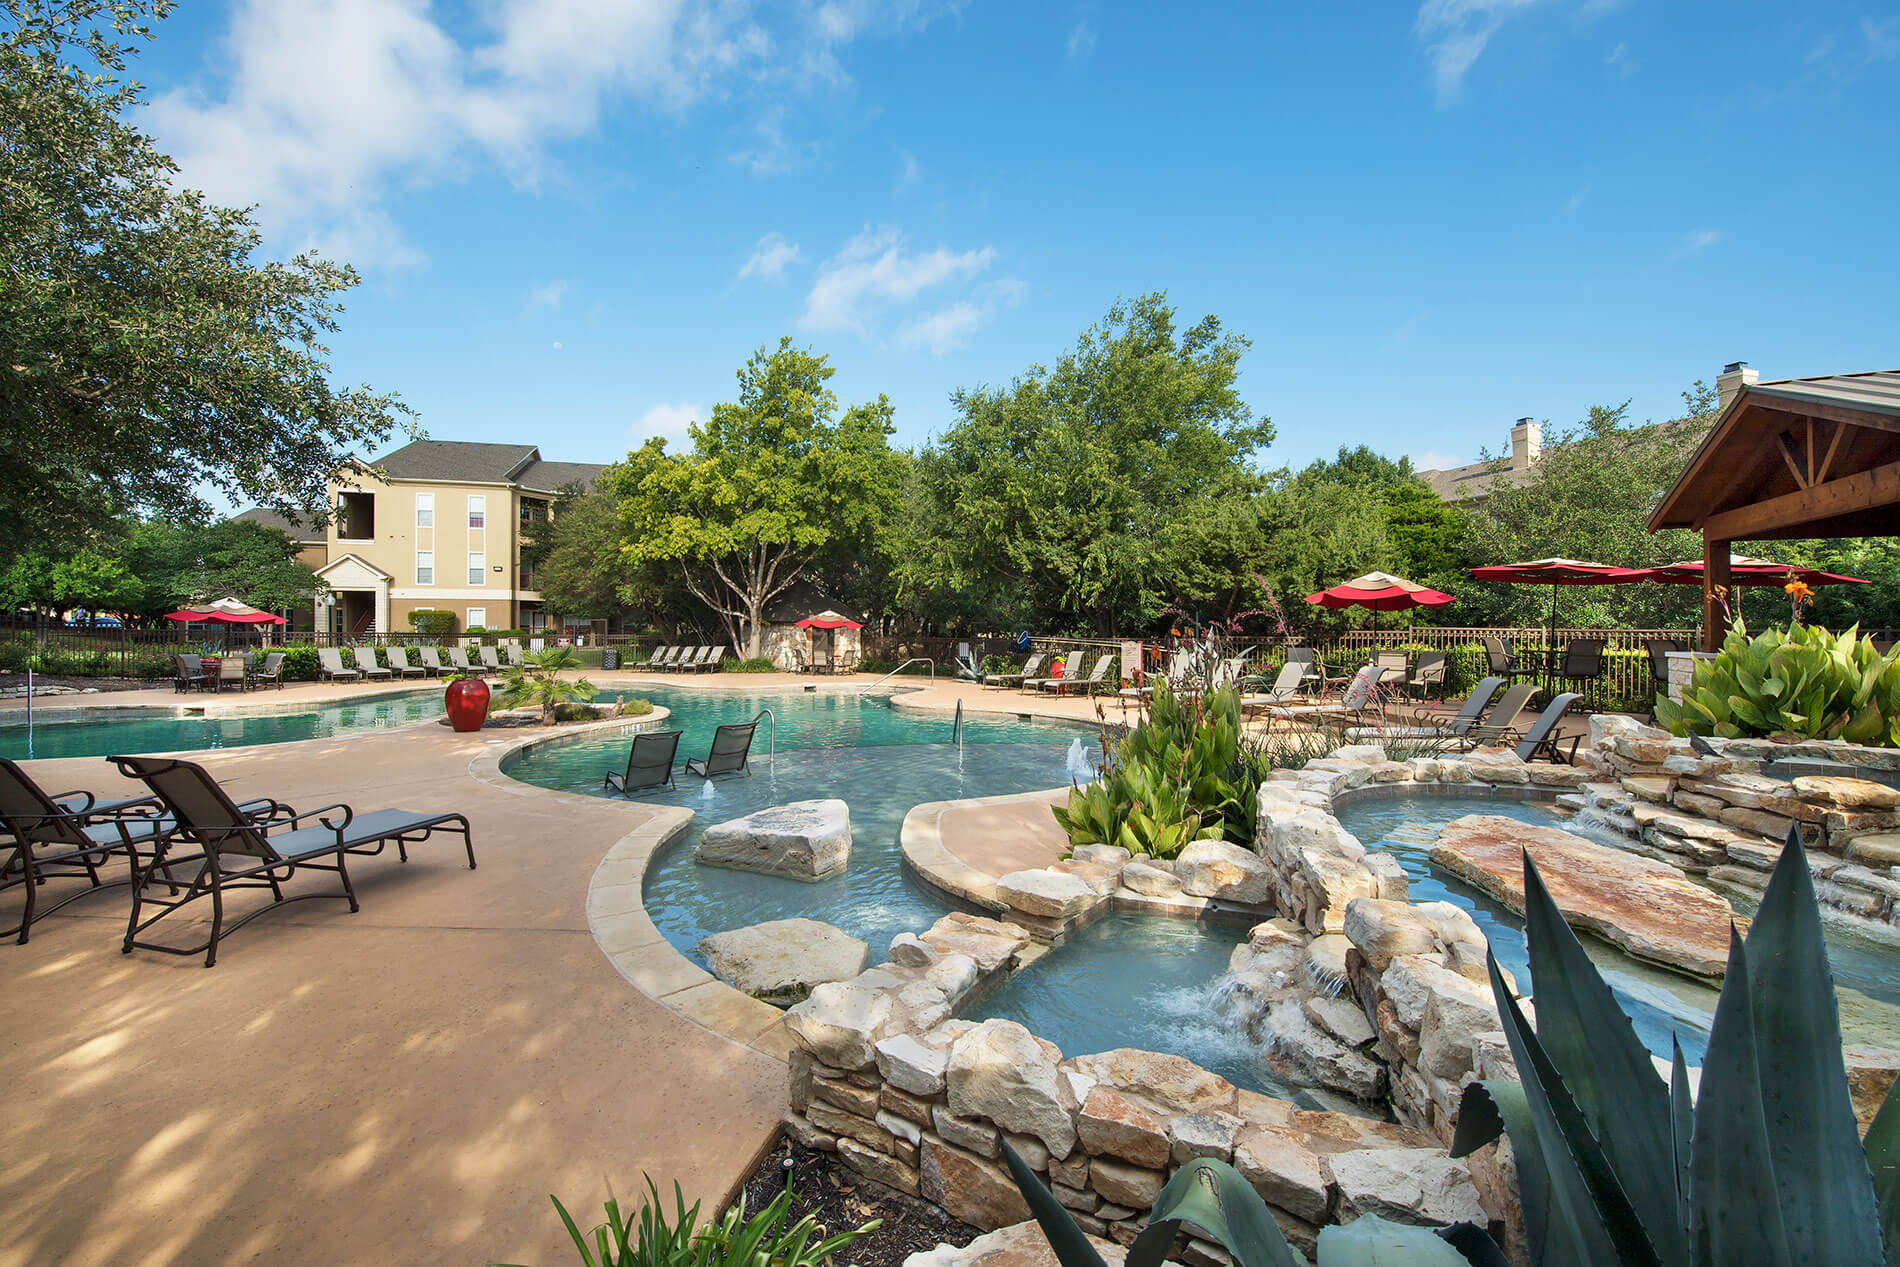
(1729, 383)
(1526, 444)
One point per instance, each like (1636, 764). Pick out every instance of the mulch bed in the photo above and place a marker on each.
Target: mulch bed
(104, 684)
(841, 1199)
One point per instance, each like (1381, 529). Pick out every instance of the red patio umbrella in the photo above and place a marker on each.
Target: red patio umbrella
(822, 622)
(1746, 571)
(225, 611)
(1379, 592)
(1555, 572)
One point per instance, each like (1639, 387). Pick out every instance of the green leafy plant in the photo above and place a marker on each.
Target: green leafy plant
(1764, 1167)
(1804, 682)
(1212, 1196)
(764, 1240)
(432, 622)
(537, 681)
(757, 664)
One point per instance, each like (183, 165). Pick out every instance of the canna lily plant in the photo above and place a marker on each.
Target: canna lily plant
(1804, 682)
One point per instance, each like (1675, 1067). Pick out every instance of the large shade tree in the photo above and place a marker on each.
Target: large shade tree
(1087, 495)
(777, 484)
(147, 350)
(182, 563)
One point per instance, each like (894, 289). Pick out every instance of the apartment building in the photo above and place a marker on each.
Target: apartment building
(439, 524)
(1472, 482)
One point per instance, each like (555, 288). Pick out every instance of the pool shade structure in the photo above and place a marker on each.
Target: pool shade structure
(225, 611)
(1788, 458)
(1380, 592)
(1556, 572)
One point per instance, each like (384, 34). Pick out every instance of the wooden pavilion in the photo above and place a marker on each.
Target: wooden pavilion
(1796, 457)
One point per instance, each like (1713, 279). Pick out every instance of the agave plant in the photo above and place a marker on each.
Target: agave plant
(1213, 1197)
(1806, 682)
(1765, 1166)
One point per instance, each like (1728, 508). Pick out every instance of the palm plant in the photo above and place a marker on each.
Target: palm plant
(537, 680)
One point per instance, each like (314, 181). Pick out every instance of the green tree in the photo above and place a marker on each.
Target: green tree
(1075, 496)
(149, 355)
(183, 563)
(28, 582)
(776, 483)
(578, 558)
(87, 578)
(537, 680)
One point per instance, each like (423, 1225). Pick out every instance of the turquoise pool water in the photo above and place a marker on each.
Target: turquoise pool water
(134, 730)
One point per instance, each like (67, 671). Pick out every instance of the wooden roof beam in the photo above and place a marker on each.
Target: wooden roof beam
(1867, 490)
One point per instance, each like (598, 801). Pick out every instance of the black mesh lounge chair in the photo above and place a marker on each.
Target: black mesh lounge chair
(266, 853)
(649, 763)
(1467, 715)
(1541, 739)
(67, 837)
(731, 746)
(1582, 662)
(1498, 658)
(1500, 724)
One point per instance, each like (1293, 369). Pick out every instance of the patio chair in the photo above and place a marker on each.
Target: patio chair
(458, 662)
(266, 853)
(1582, 662)
(710, 664)
(1031, 667)
(1658, 650)
(271, 672)
(1360, 698)
(231, 672)
(330, 666)
(1541, 739)
(66, 837)
(1427, 722)
(731, 747)
(1395, 664)
(1499, 660)
(1094, 682)
(400, 666)
(1429, 672)
(1306, 658)
(490, 661)
(1500, 724)
(366, 661)
(431, 659)
(649, 763)
(191, 672)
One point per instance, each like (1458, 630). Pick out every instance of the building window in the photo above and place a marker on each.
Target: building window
(425, 567)
(477, 618)
(477, 568)
(477, 512)
(356, 516)
(425, 510)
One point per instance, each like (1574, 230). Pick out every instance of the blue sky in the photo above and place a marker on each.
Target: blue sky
(575, 221)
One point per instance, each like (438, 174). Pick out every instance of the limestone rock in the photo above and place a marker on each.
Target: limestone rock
(1454, 1017)
(1870, 1074)
(1324, 962)
(974, 1137)
(1319, 1056)
(991, 943)
(1171, 1081)
(882, 1167)
(839, 1022)
(1496, 765)
(1104, 855)
(1881, 849)
(781, 960)
(910, 1066)
(1408, 1185)
(1049, 894)
(1111, 1124)
(911, 951)
(970, 1188)
(1846, 793)
(1146, 877)
(1383, 930)
(805, 840)
(1117, 1181)
(1343, 1020)
(1311, 829)
(1648, 908)
(1217, 869)
(1204, 1135)
(1018, 1245)
(1282, 1170)
(998, 1071)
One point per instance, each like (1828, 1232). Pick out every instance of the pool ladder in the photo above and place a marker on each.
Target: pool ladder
(916, 659)
(956, 728)
(771, 749)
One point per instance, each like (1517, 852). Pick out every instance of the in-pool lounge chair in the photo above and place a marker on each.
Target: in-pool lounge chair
(330, 665)
(490, 661)
(400, 666)
(1031, 667)
(458, 662)
(366, 662)
(67, 837)
(241, 852)
(431, 661)
(731, 747)
(1500, 724)
(1541, 739)
(649, 763)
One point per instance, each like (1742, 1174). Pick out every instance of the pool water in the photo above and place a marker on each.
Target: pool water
(135, 730)
(1660, 1003)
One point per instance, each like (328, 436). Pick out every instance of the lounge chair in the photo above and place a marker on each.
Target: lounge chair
(1541, 739)
(1070, 665)
(67, 837)
(1306, 658)
(679, 656)
(330, 665)
(514, 654)
(490, 661)
(1094, 682)
(1360, 698)
(1031, 667)
(366, 661)
(1180, 665)
(1429, 673)
(698, 660)
(731, 747)
(1500, 724)
(652, 661)
(191, 672)
(272, 852)
(1284, 689)
(649, 763)
(431, 661)
(399, 663)
(710, 664)
(1424, 723)
(458, 662)
(271, 672)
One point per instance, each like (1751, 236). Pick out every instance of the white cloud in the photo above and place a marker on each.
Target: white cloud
(547, 294)
(1456, 32)
(1620, 58)
(948, 328)
(770, 257)
(1433, 460)
(1883, 38)
(910, 172)
(668, 420)
(1576, 200)
(874, 271)
(1081, 41)
(1700, 240)
(557, 345)
(319, 111)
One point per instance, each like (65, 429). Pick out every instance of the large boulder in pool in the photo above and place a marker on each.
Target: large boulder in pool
(783, 960)
(805, 840)
(1649, 909)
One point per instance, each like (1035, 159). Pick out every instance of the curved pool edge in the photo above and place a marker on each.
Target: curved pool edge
(617, 918)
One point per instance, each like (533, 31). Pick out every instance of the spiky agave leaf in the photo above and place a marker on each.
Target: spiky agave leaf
(1681, 1131)
(1370, 1241)
(1071, 1246)
(1605, 1067)
(1213, 1197)
(1883, 1159)
(1496, 1107)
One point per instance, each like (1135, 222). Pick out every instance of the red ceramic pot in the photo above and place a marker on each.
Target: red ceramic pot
(467, 701)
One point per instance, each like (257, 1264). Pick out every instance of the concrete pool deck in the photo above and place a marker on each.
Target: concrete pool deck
(419, 1075)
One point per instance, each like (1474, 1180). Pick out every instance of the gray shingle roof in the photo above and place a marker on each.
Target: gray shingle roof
(267, 518)
(458, 460)
(552, 477)
(1876, 390)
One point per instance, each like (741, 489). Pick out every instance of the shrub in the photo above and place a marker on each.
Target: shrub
(1806, 682)
(764, 1240)
(578, 712)
(300, 662)
(16, 654)
(758, 664)
(635, 707)
(432, 622)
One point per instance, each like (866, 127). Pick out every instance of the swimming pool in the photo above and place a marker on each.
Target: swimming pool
(99, 732)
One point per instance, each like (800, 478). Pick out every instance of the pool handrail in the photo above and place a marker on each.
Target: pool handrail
(916, 659)
(771, 736)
